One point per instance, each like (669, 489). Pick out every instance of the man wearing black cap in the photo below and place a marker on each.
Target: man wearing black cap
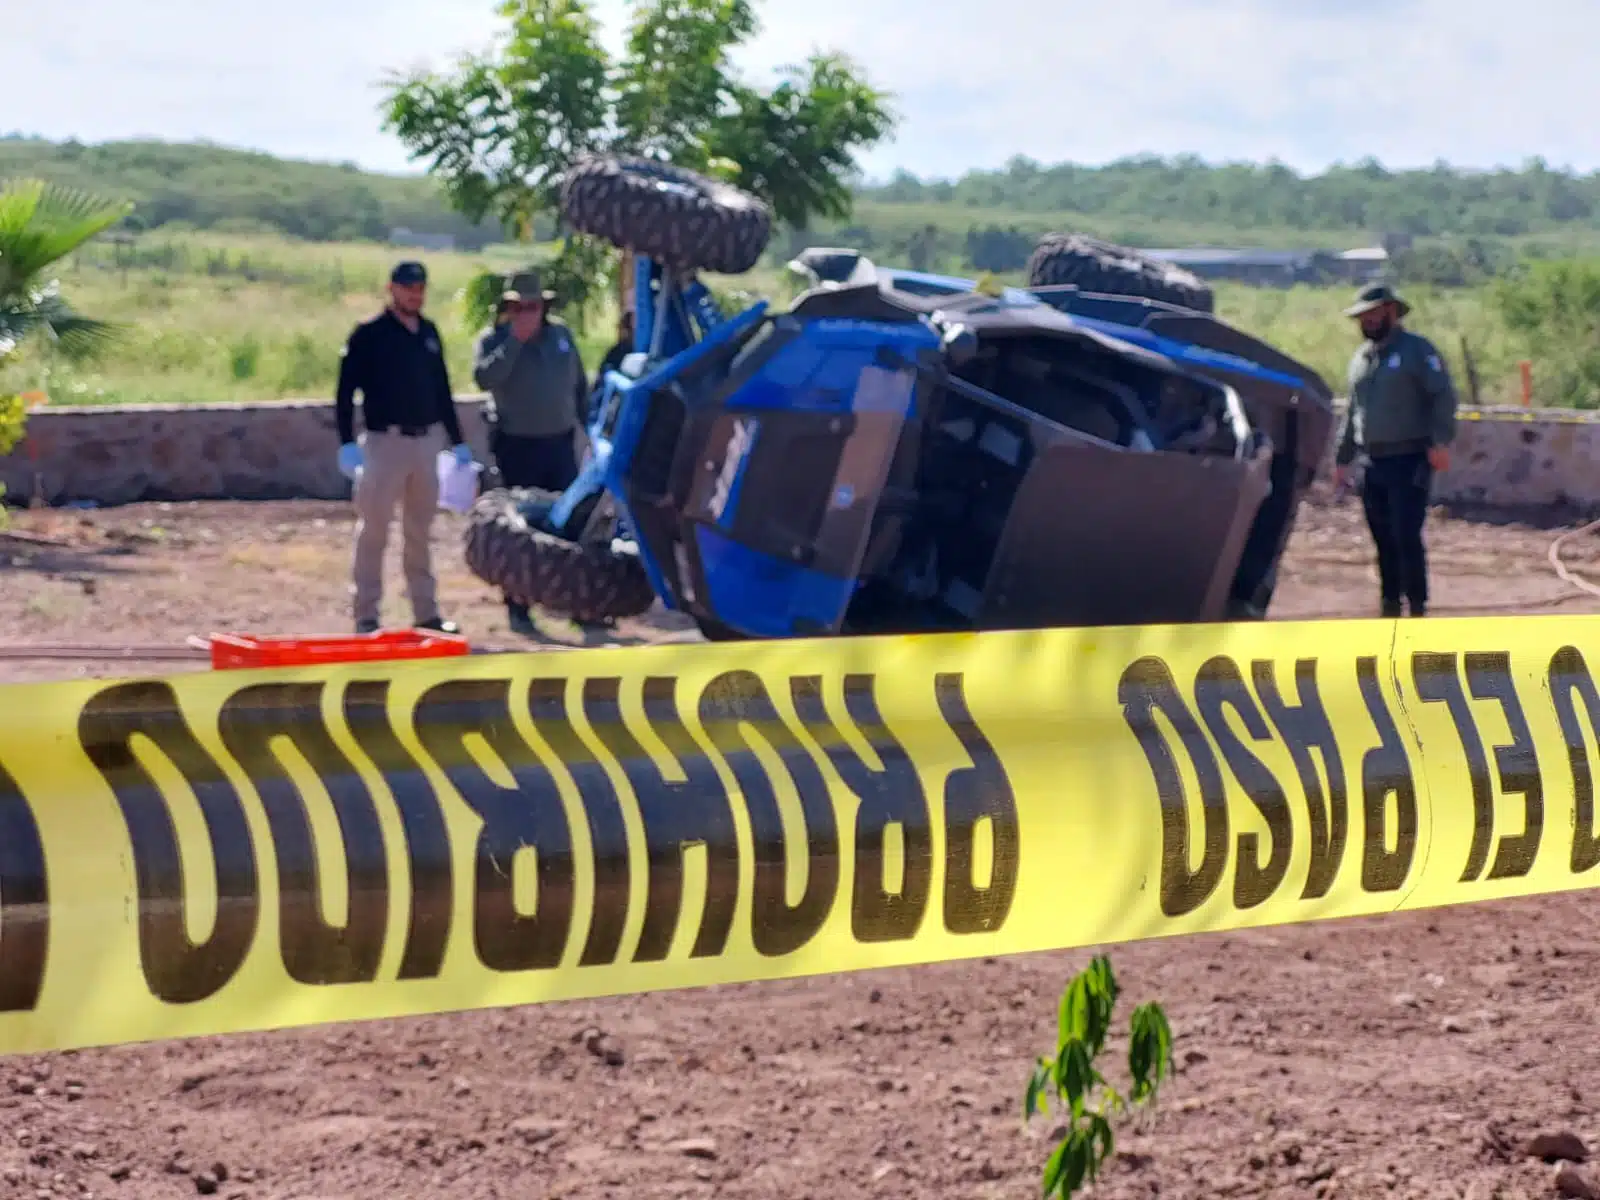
(538, 398)
(396, 361)
(1400, 421)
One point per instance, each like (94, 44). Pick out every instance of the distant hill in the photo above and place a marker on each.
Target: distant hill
(214, 187)
(1442, 200)
(988, 219)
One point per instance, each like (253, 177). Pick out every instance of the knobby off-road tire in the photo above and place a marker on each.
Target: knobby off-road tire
(675, 216)
(1097, 266)
(589, 583)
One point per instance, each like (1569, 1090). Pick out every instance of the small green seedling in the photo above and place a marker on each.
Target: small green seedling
(1089, 1101)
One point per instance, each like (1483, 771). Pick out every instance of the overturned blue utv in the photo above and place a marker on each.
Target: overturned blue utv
(906, 452)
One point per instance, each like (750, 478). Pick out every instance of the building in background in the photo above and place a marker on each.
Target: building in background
(402, 236)
(1279, 268)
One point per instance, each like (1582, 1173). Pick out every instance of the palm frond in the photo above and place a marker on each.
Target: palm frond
(45, 314)
(41, 223)
(79, 338)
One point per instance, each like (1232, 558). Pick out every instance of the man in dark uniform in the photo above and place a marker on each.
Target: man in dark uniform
(396, 361)
(1400, 422)
(623, 346)
(620, 350)
(538, 399)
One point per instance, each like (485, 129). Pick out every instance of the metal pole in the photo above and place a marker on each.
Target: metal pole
(665, 298)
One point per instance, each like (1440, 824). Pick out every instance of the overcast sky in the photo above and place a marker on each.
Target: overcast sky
(1476, 82)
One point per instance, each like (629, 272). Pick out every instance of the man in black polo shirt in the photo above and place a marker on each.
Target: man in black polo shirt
(396, 361)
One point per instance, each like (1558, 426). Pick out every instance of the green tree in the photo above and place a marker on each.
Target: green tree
(675, 79)
(501, 128)
(795, 146)
(499, 131)
(41, 224)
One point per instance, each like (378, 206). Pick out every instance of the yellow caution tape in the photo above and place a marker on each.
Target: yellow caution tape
(251, 850)
(1542, 416)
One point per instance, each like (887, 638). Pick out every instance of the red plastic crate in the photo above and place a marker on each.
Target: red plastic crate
(231, 651)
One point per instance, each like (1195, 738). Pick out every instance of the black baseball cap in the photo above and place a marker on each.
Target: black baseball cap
(408, 273)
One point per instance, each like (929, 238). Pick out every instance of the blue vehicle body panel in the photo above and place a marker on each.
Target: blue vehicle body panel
(765, 596)
(820, 371)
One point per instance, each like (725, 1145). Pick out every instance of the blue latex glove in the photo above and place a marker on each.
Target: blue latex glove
(350, 459)
(463, 454)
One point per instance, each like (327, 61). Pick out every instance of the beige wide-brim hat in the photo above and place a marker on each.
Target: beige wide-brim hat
(1374, 296)
(527, 285)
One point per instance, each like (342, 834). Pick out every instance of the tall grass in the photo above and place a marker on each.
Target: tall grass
(232, 318)
(1309, 324)
(214, 318)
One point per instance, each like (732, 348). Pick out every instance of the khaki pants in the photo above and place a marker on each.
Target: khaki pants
(397, 471)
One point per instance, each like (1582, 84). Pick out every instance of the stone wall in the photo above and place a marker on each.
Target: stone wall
(273, 451)
(1518, 458)
(1515, 458)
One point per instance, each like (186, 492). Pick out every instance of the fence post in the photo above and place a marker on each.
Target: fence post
(31, 401)
(1527, 383)
(1473, 390)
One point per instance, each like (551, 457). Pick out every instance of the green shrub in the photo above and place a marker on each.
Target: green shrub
(1083, 1023)
(307, 367)
(1553, 306)
(244, 356)
(13, 417)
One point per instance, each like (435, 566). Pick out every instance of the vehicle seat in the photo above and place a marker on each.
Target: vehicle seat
(897, 504)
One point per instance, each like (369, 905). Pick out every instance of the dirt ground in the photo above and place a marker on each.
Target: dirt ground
(1401, 1057)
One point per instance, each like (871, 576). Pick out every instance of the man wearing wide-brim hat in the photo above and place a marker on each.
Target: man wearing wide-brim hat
(1399, 425)
(538, 396)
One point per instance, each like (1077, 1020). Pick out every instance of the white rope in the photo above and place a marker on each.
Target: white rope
(1562, 573)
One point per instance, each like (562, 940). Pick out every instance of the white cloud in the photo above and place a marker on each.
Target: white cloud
(291, 76)
(1307, 81)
